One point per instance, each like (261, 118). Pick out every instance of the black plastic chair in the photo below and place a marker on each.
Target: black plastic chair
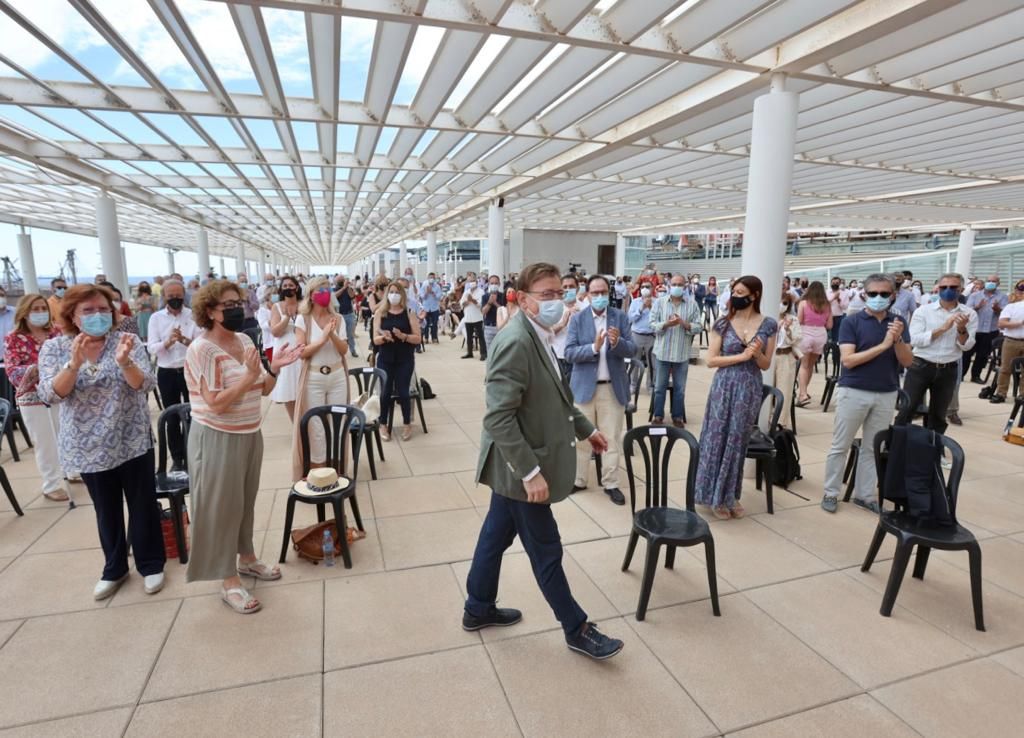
(909, 532)
(256, 334)
(658, 523)
(992, 366)
(831, 373)
(338, 422)
(416, 396)
(850, 472)
(174, 485)
(764, 458)
(5, 411)
(793, 392)
(372, 380)
(14, 419)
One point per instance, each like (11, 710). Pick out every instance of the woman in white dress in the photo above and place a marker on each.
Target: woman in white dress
(282, 326)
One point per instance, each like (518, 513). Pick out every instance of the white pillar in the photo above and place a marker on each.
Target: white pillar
(769, 183)
(170, 262)
(203, 250)
(28, 263)
(222, 271)
(123, 280)
(403, 259)
(240, 260)
(496, 238)
(620, 255)
(431, 252)
(110, 240)
(387, 263)
(263, 266)
(964, 252)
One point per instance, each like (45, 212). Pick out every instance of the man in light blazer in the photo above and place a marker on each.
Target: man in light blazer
(528, 459)
(599, 341)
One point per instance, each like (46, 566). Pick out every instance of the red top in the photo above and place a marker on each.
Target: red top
(22, 354)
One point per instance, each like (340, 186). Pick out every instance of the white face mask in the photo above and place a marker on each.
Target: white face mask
(645, 292)
(394, 298)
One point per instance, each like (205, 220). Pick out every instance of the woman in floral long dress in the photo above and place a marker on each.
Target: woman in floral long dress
(742, 344)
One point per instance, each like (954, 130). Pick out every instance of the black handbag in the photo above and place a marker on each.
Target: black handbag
(759, 441)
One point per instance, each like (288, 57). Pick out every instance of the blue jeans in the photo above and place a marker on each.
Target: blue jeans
(679, 371)
(538, 531)
(350, 331)
(432, 316)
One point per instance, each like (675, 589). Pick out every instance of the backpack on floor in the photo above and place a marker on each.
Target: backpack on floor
(425, 391)
(787, 457)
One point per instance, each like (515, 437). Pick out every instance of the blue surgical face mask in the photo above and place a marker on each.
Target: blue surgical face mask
(97, 324)
(878, 303)
(991, 286)
(275, 297)
(599, 302)
(949, 294)
(676, 290)
(550, 312)
(570, 296)
(39, 319)
(59, 292)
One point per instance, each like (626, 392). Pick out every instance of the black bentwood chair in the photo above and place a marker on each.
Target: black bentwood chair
(5, 411)
(658, 523)
(14, 419)
(174, 485)
(911, 531)
(832, 373)
(371, 380)
(338, 422)
(764, 457)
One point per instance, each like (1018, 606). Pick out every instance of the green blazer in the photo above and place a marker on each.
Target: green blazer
(530, 419)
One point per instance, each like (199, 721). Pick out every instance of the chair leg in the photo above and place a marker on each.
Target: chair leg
(630, 548)
(758, 469)
(339, 520)
(177, 505)
(9, 432)
(921, 561)
(320, 513)
(650, 566)
(875, 545)
(369, 458)
(380, 446)
(354, 503)
(24, 432)
(670, 557)
(769, 472)
(899, 569)
(709, 563)
(979, 616)
(419, 411)
(850, 474)
(288, 516)
(597, 466)
(6, 484)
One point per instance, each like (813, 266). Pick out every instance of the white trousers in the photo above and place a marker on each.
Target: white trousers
(784, 373)
(605, 412)
(323, 389)
(43, 424)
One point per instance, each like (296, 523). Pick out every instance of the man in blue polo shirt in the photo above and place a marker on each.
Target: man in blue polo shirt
(873, 344)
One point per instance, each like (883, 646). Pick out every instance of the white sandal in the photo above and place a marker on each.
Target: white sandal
(240, 606)
(259, 570)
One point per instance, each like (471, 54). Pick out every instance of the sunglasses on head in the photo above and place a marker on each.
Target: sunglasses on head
(873, 293)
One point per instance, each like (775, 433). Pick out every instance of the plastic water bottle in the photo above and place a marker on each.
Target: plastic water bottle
(328, 548)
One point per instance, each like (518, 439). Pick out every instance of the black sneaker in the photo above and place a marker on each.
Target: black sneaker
(593, 643)
(500, 616)
(616, 494)
(996, 399)
(869, 505)
(577, 488)
(977, 380)
(466, 356)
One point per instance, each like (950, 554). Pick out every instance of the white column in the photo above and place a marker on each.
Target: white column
(431, 252)
(496, 238)
(964, 252)
(110, 240)
(203, 251)
(28, 262)
(240, 267)
(403, 259)
(263, 266)
(620, 255)
(170, 262)
(222, 271)
(123, 281)
(769, 183)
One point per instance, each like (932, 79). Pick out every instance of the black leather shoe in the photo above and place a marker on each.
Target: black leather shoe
(467, 356)
(955, 419)
(500, 616)
(996, 399)
(977, 380)
(577, 488)
(616, 494)
(593, 643)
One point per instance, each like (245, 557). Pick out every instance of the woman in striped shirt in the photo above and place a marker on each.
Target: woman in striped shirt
(226, 382)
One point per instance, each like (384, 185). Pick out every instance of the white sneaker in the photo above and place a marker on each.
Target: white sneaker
(105, 587)
(154, 583)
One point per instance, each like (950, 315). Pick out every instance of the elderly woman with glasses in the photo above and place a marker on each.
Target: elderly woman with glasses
(101, 378)
(226, 382)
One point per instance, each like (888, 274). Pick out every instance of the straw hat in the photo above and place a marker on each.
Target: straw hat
(320, 482)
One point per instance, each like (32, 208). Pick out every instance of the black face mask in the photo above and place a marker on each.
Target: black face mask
(287, 293)
(175, 303)
(835, 285)
(740, 303)
(233, 319)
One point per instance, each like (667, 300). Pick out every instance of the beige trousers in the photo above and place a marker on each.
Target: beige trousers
(605, 412)
(784, 368)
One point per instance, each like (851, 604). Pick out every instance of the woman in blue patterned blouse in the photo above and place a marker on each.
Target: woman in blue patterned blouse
(101, 377)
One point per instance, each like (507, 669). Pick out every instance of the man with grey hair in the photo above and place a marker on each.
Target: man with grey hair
(874, 345)
(987, 303)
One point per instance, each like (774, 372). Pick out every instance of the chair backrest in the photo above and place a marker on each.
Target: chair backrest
(774, 394)
(5, 413)
(257, 337)
(181, 414)
(635, 372)
(902, 401)
(338, 421)
(1016, 369)
(950, 478)
(833, 362)
(369, 379)
(655, 443)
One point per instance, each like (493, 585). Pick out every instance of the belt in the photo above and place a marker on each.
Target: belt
(604, 381)
(642, 333)
(942, 365)
(785, 350)
(326, 369)
(178, 370)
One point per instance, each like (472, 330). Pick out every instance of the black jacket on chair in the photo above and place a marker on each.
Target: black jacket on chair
(913, 477)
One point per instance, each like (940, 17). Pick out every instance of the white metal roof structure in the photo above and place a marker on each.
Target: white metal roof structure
(326, 130)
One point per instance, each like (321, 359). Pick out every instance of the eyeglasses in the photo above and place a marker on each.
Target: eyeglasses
(230, 304)
(949, 286)
(548, 295)
(872, 293)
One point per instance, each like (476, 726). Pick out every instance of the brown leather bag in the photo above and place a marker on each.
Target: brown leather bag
(309, 541)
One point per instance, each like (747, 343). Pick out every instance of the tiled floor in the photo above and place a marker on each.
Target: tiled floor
(800, 648)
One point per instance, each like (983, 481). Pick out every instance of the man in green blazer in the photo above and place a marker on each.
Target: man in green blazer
(528, 459)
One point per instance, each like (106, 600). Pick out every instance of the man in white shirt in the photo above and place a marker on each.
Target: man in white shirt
(940, 333)
(171, 330)
(838, 302)
(473, 317)
(1011, 325)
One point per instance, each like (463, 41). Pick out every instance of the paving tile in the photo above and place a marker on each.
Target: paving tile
(77, 649)
(853, 718)
(7, 629)
(284, 639)
(431, 538)
(838, 617)
(967, 699)
(27, 491)
(407, 697)
(70, 577)
(74, 531)
(479, 494)
(419, 494)
(175, 587)
(431, 460)
(602, 561)
(553, 690)
(277, 708)
(615, 520)
(413, 611)
(518, 588)
(841, 539)
(1002, 562)
(91, 725)
(366, 558)
(18, 532)
(1012, 659)
(743, 652)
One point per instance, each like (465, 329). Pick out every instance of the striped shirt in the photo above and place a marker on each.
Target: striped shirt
(673, 344)
(206, 360)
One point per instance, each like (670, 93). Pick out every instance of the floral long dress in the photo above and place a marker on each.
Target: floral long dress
(734, 403)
